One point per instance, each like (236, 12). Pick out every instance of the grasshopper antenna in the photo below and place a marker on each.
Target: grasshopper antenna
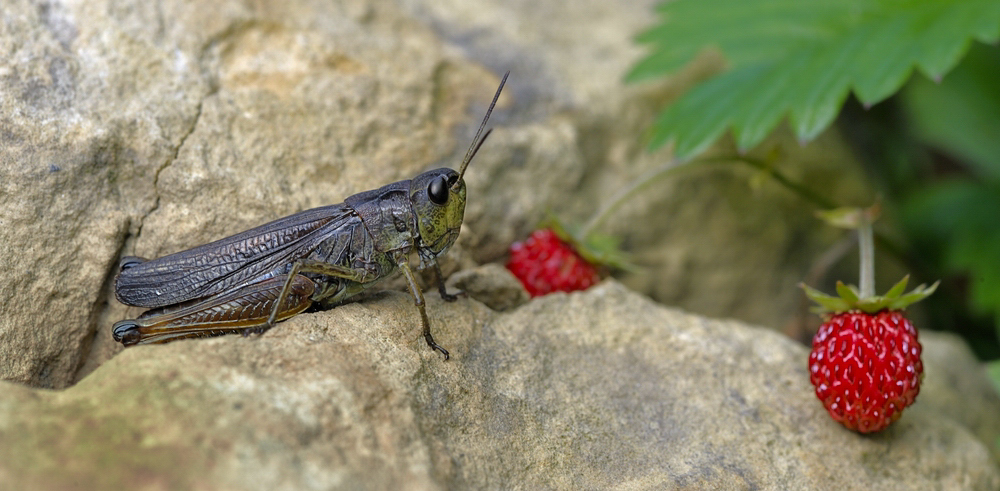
(477, 141)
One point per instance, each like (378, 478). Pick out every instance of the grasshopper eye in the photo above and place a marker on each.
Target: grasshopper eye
(437, 191)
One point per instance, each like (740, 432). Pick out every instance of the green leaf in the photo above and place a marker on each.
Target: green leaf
(798, 59)
(714, 101)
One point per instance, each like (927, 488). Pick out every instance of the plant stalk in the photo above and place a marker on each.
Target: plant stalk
(668, 169)
(866, 246)
(672, 167)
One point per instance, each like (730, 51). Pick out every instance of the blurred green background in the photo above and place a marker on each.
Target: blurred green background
(914, 86)
(934, 151)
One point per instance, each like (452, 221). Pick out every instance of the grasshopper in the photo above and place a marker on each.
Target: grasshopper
(323, 256)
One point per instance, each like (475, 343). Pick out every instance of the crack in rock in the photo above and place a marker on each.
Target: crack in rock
(168, 163)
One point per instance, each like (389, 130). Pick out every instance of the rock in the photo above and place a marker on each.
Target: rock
(493, 285)
(139, 128)
(78, 153)
(145, 128)
(594, 390)
(142, 128)
(955, 383)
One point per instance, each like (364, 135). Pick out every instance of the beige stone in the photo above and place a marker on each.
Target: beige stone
(148, 127)
(595, 390)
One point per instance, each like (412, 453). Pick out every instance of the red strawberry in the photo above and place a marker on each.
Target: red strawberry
(545, 263)
(865, 359)
(866, 367)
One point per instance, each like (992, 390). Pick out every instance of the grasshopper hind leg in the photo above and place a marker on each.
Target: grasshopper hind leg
(244, 310)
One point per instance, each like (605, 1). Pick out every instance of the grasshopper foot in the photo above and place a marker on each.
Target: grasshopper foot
(451, 297)
(436, 347)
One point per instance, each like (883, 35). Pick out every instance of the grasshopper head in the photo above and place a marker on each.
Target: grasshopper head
(438, 196)
(438, 200)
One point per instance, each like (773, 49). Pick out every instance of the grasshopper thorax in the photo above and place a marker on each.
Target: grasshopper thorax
(438, 201)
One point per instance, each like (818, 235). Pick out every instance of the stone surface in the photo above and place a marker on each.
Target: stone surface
(148, 127)
(136, 127)
(493, 285)
(595, 390)
(956, 384)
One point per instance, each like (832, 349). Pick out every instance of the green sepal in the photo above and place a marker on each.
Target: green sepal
(870, 305)
(606, 250)
(850, 295)
(849, 217)
(850, 299)
(917, 294)
(827, 303)
(598, 249)
(564, 232)
(897, 289)
(846, 217)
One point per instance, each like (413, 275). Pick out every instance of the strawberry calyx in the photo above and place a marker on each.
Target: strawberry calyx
(864, 299)
(849, 298)
(601, 250)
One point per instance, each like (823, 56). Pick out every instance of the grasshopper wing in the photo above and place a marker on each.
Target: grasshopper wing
(219, 266)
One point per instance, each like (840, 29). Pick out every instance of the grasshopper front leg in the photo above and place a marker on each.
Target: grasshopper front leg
(418, 300)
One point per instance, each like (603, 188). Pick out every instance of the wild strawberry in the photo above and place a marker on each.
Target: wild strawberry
(866, 367)
(555, 258)
(545, 263)
(865, 358)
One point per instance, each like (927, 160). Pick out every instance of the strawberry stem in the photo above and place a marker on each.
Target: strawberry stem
(803, 192)
(646, 179)
(866, 246)
(672, 167)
